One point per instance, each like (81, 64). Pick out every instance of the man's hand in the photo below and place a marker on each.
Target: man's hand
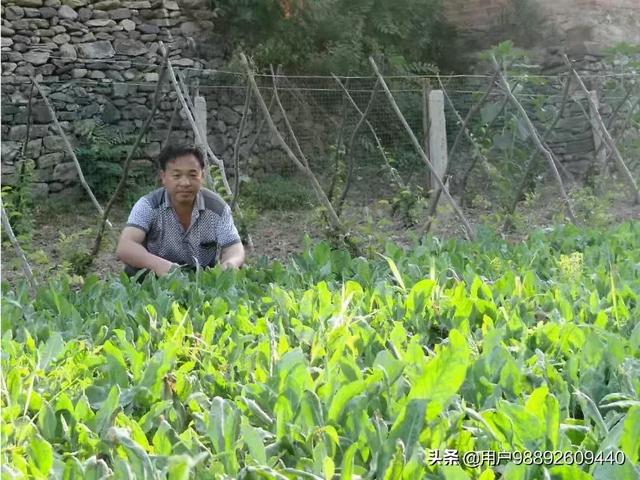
(131, 251)
(232, 256)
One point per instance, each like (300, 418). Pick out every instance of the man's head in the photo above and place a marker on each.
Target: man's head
(181, 172)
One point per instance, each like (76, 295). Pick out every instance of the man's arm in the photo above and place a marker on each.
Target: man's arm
(232, 256)
(131, 251)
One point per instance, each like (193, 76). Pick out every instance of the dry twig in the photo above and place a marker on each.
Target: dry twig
(67, 144)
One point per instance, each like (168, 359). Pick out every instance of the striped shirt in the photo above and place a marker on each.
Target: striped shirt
(211, 229)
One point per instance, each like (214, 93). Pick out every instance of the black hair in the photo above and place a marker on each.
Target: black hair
(171, 152)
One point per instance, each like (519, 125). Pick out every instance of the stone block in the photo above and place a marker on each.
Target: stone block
(36, 57)
(50, 160)
(39, 190)
(66, 12)
(53, 144)
(99, 49)
(65, 172)
(130, 47)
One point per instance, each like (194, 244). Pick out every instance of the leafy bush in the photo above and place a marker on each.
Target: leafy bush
(336, 36)
(274, 192)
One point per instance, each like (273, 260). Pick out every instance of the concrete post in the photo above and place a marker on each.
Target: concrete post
(437, 135)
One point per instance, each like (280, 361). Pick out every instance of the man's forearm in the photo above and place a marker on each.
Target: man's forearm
(232, 256)
(137, 256)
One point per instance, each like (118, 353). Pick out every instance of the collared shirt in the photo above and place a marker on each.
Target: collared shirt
(211, 228)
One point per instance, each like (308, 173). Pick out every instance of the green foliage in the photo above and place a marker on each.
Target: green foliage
(275, 192)
(336, 36)
(334, 365)
(18, 202)
(101, 154)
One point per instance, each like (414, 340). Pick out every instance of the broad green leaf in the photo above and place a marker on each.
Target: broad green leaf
(630, 441)
(224, 431)
(104, 417)
(41, 453)
(568, 472)
(442, 376)
(50, 350)
(408, 426)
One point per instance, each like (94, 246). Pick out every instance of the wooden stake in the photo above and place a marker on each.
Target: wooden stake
(416, 144)
(6, 226)
(302, 162)
(536, 138)
(67, 144)
(236, 146)
(606, 136)
(127, 162)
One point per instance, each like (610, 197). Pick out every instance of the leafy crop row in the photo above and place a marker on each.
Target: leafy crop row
(332, 366)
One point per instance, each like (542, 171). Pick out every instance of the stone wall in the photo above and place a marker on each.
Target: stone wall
(99, 61)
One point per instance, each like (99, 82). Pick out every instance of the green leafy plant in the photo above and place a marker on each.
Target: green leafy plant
(332, 365)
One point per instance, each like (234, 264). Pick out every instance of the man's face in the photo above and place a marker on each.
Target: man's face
(182, 178)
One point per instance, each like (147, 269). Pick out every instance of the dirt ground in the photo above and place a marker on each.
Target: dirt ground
(62, 229)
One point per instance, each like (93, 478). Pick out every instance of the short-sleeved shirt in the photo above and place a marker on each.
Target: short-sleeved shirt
(211, 229)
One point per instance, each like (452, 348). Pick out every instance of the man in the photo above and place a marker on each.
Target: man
(181, 224)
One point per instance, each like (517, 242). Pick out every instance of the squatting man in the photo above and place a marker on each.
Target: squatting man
(180, 224)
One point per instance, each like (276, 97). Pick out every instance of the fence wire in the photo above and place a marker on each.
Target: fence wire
(323, 119)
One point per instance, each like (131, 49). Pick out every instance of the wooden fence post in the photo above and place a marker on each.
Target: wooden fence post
(437, 135)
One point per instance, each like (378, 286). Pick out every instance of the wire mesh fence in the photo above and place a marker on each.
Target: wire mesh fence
(494, 147)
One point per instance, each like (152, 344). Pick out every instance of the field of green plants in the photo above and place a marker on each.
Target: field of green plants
(334, 367)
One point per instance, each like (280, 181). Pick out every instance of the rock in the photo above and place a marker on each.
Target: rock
(79, 73)
(9, 151)
(97, 74)
(68, 52)
(75, 4)
(130, 47)
(110, 113)
(36, 57)
(53, 143)
(6, 42)
(120, 90)
(55, 187)
(18, 132)
(100, 22)
(138, 112)
(114, 75)
(50, 159)
(39, 131)
(228, 116)
(120, 13)
(6, 31)
(45, 33)
(61, 39)
(107, 5)
(8, 67)
(170, 5)
(189, 29)
(29, 3)
(99, 49)
(101, 14)
(13, 12)
(85, 14)
(138, 4)
(148, 28)
(128, 25)
(183, 62)
(104, 36)
(48, 12)
(53, 3)
(65, 172)
(39, 190)
(152, 150)
(68, 13)
(151, 77)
